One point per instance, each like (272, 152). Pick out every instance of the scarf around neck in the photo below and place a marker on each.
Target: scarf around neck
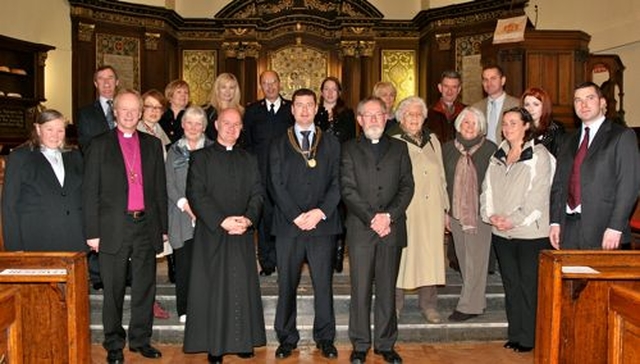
(465, 187)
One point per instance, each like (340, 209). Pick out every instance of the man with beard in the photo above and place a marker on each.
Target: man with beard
(377, 186)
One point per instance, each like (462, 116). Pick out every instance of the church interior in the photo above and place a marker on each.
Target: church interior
(49, 51)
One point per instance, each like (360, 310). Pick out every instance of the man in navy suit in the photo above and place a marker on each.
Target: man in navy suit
(264, 121)
(591, 201)
(304, 183)
(96, 118)
(125, 210)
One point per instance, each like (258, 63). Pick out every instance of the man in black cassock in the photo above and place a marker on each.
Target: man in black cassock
(224, 314)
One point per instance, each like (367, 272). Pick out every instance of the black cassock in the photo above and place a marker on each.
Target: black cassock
(224, 313)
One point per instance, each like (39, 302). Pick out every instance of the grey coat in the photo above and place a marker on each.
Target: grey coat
(177, 166)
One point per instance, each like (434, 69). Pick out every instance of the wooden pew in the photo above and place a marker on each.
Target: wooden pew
(624, 326)
(572, 314)
(10, 326)
(54, 303)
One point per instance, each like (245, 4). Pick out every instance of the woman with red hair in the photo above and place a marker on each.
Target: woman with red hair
(546, 131)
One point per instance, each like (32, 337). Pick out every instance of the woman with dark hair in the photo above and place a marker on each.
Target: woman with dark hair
(333, 115)
(42, 196)
(546, 131)
(515, 201)
(336, 118)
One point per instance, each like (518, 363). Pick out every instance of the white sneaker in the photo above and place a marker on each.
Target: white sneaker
(183, 318)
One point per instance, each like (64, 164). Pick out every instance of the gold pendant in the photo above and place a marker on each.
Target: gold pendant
(311, 163)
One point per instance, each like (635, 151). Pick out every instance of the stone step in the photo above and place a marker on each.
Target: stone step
(412, 326)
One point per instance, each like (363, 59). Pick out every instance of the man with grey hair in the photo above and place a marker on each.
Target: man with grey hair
(377, 187)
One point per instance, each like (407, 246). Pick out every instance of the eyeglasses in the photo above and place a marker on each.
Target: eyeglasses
(154, 108)
(414, 115)
(377, 116)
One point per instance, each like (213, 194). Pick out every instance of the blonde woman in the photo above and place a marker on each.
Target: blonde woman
(224, 94)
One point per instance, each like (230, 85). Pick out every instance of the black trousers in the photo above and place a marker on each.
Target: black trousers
(266, 241)
(319, 252)
(518, 262)
(368, 262)
(136, 246)
(183, 268)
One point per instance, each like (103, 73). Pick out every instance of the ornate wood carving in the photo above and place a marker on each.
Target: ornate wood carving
(241, 50)
(151, 41)
(85, 31)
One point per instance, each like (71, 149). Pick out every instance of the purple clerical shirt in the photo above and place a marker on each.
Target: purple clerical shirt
(130, 147)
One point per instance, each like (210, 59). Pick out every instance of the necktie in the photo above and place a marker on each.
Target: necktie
(272, 109)
(493, 122)
(305, 140)
(109, 114)
(574, 181)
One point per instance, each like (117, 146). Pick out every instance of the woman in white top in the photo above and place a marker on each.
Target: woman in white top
(42, 195)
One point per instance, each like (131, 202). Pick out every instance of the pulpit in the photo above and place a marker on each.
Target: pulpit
(10, 326)
(54, 303)
(624, 326)
(573, 302)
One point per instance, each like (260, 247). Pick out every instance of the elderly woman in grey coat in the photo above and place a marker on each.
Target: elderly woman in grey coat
(466, 159)
(181, 218)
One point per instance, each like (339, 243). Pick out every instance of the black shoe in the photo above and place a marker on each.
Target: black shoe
(523, 349)
(284, 350)
(214, 359)
(115, 356)
(98, 286)
(265, 272)
(247, 355)
(147, 351)
(358, 357)
(328, 350)
(390, 356)
(511, 345)
(339, 262)
(461, 316)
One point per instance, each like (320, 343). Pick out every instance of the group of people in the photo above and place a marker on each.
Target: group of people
(500, 175)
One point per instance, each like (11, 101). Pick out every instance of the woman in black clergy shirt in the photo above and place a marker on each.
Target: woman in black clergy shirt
(336, 118)
(42, 196)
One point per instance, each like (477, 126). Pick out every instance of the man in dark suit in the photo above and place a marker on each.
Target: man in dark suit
(264, 121)
(377, 187)
(597, 179)
(304, 183)
(125, 207)
(97, 118)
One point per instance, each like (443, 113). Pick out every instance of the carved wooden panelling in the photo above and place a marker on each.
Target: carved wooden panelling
(123, 53)
(399, 68)
(199, 70)
(299, 66)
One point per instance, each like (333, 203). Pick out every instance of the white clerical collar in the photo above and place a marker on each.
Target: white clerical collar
(229, 148)
(375, 141)
(127, 135)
